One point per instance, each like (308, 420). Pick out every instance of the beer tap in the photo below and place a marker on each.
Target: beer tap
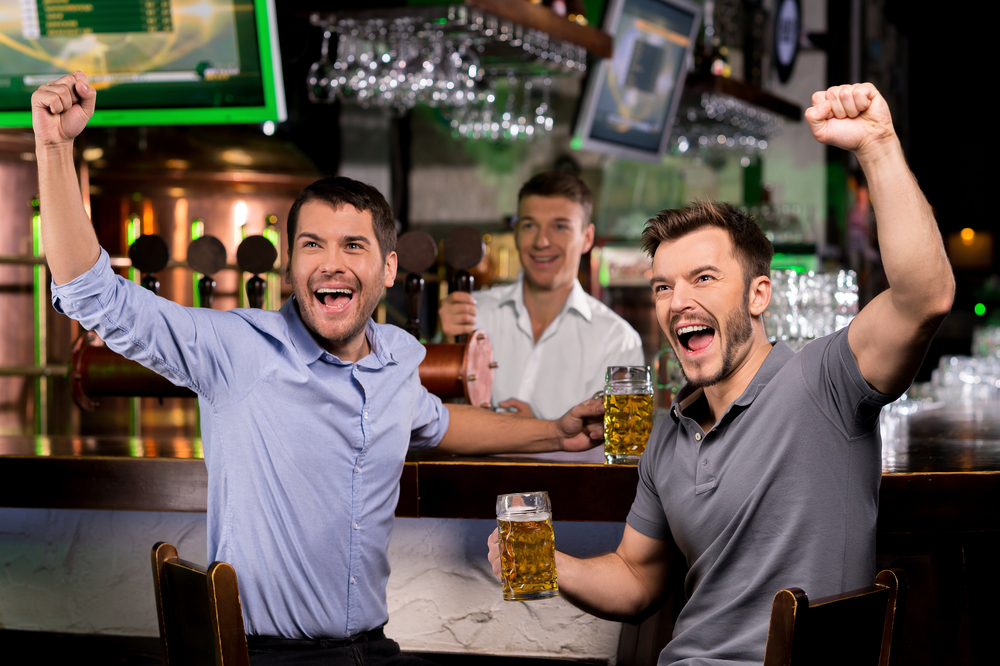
(416, 252)
(149, 254)
(256, 255)
(206, 255)
(463, 249)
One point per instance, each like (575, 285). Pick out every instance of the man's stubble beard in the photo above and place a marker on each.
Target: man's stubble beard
(739, 329)
(367, 304)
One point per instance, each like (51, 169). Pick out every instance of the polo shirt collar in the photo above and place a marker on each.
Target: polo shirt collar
(775, 360)
(577, 299)
(310, 351)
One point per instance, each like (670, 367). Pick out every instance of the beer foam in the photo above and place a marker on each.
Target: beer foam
(523, 515)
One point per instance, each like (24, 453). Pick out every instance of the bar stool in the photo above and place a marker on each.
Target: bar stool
(201, 619)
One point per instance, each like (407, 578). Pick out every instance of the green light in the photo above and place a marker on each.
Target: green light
(134, 229)
(576, 143)
(197, 228)
(980, 309)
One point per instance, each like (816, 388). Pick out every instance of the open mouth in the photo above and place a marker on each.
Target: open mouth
(543, 260)
(696, 337)
(336, 298)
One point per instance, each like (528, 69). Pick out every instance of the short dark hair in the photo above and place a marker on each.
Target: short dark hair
(338, 191)
(752, 248)
(560, 184)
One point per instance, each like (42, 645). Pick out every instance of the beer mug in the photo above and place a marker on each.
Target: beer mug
(628, 412)
(527, 546)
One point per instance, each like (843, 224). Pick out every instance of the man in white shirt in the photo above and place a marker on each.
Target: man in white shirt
(552, 340)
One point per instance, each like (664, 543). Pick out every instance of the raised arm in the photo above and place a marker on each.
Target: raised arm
(478, 431)
(890, 336)
(614, 586)
(59, 111)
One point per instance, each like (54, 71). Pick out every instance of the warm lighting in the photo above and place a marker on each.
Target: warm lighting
(970, 250)
(148, 226)
(178, 164)
(180, 241)
(239, 219)
(91, 154)
(237, 156)
(175, 191)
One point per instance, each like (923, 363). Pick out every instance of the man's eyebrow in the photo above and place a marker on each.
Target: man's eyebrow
(356, 239)
(701, 269)
(308, 235)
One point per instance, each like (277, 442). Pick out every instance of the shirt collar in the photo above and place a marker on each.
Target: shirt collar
(309, 350)
(775, 360)
(577, 299)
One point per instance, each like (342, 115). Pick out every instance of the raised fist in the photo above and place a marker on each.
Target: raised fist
(60, 109)
(853, 117)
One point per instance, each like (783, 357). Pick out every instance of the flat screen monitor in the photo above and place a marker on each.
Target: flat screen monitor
(630, 99)
(153, 62)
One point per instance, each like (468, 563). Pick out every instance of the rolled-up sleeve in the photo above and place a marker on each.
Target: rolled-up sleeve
(185, 345)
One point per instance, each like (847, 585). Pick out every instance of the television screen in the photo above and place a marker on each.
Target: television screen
(153, 62)
(629, 100)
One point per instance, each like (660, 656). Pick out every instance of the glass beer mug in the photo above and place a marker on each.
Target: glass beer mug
(527, 546)
(628, 412)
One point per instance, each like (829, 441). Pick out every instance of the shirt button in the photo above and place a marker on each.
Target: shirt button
(366, 414)
(352, 580)
(697, 436)
(357, 469)
(704, 463)
(357, 526)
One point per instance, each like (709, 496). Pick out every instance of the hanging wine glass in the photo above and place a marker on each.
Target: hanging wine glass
(322, 77)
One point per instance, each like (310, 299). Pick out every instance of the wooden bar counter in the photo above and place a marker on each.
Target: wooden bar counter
(939, 510)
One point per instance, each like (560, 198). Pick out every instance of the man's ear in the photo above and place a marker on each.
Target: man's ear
(288, 268)
(390, 269)
(588, 238)
(760, 295)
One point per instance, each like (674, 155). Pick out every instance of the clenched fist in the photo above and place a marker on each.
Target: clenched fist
(60, 109)
(853, 117)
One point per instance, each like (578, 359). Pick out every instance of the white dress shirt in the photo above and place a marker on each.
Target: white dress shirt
(568, 363)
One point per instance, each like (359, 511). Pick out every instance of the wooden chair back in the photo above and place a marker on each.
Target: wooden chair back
(201, 619)
(862, 627)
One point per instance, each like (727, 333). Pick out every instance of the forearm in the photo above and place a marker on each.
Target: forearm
(68, 237)
(478, 431)
(604, 586)
(916, 266)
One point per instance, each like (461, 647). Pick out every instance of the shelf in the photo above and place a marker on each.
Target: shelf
(696, 85)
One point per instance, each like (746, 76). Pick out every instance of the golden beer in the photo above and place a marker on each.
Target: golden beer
(628, 420)
(527, 556)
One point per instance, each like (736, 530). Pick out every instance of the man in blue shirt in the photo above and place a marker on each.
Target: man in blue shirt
(307, 413)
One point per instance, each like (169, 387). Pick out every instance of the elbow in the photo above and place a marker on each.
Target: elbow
(940, 307)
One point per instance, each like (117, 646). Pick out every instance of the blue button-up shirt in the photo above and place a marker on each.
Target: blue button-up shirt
(304, 451)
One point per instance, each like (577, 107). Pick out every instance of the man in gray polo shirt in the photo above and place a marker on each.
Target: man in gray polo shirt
(766, 474)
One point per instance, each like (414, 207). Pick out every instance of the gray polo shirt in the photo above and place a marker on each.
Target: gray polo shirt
(782, 492)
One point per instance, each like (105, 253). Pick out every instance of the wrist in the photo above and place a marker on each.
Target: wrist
(56, 150)
(879, 151)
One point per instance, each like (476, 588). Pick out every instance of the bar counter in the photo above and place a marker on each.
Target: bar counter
(944, 476)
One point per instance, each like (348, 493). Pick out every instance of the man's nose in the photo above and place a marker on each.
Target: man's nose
(682, 299)
(332, 262)
(541, 239)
